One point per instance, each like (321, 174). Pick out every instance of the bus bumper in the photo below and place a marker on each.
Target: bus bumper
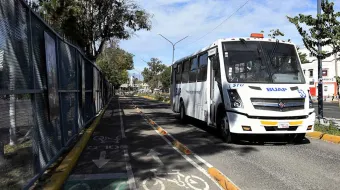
(241, 124)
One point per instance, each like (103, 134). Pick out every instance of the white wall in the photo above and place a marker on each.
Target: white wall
(328, 65)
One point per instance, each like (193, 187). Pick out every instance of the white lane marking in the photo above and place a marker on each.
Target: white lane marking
(121, 121)
(76, 177)
(131, 179)
(195, 155)
(185, 156)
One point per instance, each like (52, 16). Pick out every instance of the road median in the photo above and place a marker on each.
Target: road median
(221, 179)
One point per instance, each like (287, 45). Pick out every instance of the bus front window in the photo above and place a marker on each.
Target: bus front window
(256, 62)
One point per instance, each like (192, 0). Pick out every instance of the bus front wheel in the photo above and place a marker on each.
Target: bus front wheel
(223, 127)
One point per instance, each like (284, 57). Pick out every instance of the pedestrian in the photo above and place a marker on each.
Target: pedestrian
(332, 97)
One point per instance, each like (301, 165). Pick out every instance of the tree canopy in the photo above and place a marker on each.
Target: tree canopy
(302, 56)
(274, 33)
(114, 63)
(91, 23)
(166, 77)
(328, 30)
(152, 74)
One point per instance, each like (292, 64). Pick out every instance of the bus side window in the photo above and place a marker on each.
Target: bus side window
(202, 71)
(178, 73)
(185, 71)
(193, 70)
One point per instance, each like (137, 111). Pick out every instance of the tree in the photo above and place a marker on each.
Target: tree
(91, 23)
(166, 77)
(114, 63)
(274, 33)
(325, 27)
(329, 27)
(302, 56)
(151, 74)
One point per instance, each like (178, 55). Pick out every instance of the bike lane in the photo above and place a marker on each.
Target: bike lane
(156, 165)
(125, 152)
(102, 164)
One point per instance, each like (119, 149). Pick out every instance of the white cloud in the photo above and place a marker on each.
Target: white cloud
(178, 18)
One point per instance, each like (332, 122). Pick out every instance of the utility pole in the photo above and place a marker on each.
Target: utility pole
(320, 82)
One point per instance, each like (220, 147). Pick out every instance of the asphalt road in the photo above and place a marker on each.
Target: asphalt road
(267, 163)
(125, 152)
(330, 110)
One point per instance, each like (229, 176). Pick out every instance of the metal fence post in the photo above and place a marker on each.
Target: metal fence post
(2, 152)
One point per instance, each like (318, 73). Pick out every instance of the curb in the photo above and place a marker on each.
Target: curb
(323, 136)
(331, 138)
(62, 172)
(181, 147)
(315, 134)
(221, 179)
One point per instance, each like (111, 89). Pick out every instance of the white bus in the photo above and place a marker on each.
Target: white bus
(249, 85)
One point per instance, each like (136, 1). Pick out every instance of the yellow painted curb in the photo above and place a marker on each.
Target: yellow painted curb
(331, 138)
(161, 131)
(315, 134)
(181, 147)
(60, 175)
(221, 179)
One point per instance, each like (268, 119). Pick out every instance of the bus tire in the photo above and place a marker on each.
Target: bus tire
(182, 115)
(223, 128)
(299, 137)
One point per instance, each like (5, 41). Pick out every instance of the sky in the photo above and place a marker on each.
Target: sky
(176, 19)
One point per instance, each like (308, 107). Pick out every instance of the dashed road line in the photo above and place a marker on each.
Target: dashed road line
(131, 179)
(212, 173)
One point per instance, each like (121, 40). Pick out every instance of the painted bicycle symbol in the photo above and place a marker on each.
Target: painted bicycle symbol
(105, 139)
(190, 181)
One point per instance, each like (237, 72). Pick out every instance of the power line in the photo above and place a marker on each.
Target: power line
(221, 22)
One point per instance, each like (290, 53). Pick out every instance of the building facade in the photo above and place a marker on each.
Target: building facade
(329, 71)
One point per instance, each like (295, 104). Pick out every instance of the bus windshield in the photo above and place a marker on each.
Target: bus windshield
(261, 62)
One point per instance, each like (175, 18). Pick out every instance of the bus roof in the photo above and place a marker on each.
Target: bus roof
(228, 40)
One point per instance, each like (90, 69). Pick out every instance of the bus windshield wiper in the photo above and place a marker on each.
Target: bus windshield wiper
(244, 42)
(271, 58)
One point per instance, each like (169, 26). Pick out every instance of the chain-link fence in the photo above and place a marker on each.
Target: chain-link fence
(49, 91)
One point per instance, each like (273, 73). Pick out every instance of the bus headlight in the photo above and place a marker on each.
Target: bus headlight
(235, 99)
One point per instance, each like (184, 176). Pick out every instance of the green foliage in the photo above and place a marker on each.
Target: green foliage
(275, 33)
(329, 30)
(303, 56)
(331, 129)
(114, 62)
(337, 79)
(151, 74)
(91, 23)
(165, 78)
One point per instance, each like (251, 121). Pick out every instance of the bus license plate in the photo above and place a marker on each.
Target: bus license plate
(283, 125)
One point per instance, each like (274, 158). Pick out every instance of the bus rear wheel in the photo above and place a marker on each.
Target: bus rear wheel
(182, 115)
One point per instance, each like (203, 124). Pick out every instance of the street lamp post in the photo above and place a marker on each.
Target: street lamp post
(320, 82)
(173, 50)
(173, 45)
